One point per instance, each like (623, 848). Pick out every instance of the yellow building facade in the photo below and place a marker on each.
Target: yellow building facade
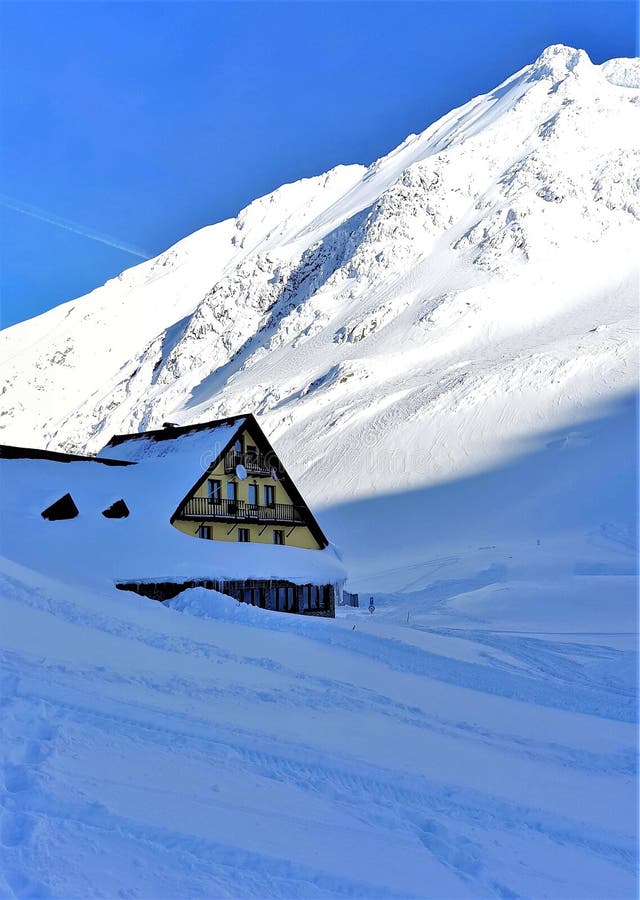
(246, 496)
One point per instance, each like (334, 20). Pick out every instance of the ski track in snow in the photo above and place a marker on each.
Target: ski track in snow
(203, 758)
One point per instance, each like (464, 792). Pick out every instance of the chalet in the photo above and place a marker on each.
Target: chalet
(243, 492)
(160, 511)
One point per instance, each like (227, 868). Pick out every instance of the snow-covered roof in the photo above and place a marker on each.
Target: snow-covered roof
(193, 449)
(144, 546)
(174, 457)
(203, 439)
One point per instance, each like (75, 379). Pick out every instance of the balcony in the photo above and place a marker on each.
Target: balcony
(203, 508)
(254, 463)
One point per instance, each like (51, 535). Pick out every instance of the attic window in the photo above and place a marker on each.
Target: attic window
(64, 508)
(117, 510)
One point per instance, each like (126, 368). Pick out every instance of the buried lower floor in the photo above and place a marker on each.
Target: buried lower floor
(279, 596)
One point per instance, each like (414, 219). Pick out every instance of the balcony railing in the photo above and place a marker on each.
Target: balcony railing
(238, 510)
(254, 463)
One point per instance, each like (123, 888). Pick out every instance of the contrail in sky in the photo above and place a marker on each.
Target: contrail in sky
(36, 213)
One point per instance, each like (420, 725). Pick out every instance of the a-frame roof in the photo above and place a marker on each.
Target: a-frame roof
(212, 439)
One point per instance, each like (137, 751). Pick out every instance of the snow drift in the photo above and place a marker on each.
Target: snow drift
(224, 751)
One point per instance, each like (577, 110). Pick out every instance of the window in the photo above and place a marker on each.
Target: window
(252, 453)
(232, 490)
(269, 495)
(243, 535)
(215, 490)
(117, 510)
(204, 531)
(64, 508)
(238, 446)
(253, 495)
(278, 536)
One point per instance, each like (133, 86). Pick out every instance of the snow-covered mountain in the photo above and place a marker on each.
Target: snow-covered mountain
(394, 326)
(443, 346)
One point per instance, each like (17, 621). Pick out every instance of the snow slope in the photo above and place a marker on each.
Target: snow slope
(431, 750)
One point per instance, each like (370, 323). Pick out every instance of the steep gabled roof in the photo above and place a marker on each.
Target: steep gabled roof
(250, 422)
(204, 445)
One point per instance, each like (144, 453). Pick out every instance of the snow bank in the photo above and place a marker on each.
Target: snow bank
(211, 754)
(206, 604)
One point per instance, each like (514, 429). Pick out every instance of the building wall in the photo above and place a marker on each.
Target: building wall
(275, 595)
(294, 536)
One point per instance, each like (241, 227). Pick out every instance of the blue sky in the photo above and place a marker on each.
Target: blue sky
(127, 126)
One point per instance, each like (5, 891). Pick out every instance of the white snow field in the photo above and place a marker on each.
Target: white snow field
(443, 346)
(477, 746)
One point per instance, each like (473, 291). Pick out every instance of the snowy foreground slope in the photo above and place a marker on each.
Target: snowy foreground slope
(473, 747)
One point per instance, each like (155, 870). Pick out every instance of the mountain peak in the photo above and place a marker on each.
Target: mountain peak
(557, 61)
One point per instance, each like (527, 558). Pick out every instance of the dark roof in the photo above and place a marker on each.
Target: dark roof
(167, 434)
(9, 452)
